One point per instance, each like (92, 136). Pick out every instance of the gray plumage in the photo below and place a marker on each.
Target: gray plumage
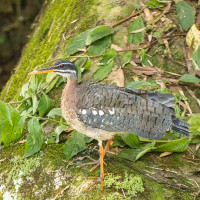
(144, 113)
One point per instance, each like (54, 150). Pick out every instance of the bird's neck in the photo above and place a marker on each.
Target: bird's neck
(71, 90)
(72, 82)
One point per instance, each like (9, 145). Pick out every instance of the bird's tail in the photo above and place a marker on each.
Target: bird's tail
(180, 126)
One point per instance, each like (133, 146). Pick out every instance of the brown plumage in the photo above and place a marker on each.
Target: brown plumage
(101, 111)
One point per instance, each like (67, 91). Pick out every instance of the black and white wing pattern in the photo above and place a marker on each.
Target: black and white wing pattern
(117, 109)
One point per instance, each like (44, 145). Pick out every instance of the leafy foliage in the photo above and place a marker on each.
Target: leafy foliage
(189, 78)
(142, 84)
(126, 57)
(154, 4)
(75, 144)
(78, 42)
(34, 103)
(5, 112)
(35, 139)
(131, 140)
(136, 38)
(174, 146)
(100, 46)
(95, 36)
(135, 154)
(11, 123)
(98, 33)
(196, 56)
(45, 104)
(55, 112)
(106, 63)
(185, 15)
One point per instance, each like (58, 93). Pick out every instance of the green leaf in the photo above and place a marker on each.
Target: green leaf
(118, 141)
(138, 84)
(189, 78)
(45, 104)
(135, 154)
(194, 121)
(61, 79)
(185, 15)
(49, 78)
(78, 42)
(131, 140)
(35, 103)
(126, 57)
(196, 56)
(107, 63)
(100, 46)
(24, 89)
(59, 129)
(154, 4)
(75, 144)
(5, 112)
(108, 56)
(12, 133)
(79, 64)
(144, 59)
(35, 138)
(174, 146)
(136, 38)
(103, 71)
(55, 112)
(36, 83)
(87, 139)
(98, 33)
(88, 64)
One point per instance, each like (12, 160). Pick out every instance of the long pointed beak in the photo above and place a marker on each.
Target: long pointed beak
(44, 70)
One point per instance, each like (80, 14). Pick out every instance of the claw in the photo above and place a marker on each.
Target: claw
(100, 162)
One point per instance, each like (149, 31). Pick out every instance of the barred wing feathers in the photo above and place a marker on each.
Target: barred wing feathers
(117, 109)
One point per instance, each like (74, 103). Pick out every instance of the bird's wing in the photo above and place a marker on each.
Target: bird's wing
(113, 109)
(165, 99)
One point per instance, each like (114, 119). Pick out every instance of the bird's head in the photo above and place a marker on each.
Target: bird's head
(62, 67)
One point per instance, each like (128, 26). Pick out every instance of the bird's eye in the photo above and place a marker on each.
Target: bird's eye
(61, 66)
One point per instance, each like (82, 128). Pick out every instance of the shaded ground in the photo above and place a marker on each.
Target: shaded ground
(172, 177)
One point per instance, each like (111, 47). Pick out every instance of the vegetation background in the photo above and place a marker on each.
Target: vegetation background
(152, 45)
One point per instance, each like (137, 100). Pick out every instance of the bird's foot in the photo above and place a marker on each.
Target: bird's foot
(98, 179)
(94, 162)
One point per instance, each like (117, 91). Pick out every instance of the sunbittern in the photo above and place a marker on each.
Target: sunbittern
(101, 111)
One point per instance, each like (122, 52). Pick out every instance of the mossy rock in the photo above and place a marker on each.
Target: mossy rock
(51, 176)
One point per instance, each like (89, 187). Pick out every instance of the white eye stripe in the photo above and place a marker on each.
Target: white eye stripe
(65, 64)
(67, 71)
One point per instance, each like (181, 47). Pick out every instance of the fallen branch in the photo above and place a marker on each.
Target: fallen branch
(127, 18)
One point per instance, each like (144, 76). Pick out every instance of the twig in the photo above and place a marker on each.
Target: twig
(144, 46)
(127, 18)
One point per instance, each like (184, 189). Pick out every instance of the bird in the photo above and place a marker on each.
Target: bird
(101, 111)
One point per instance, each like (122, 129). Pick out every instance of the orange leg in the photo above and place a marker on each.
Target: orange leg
(97, 162)
(102, 153)
(102, 175)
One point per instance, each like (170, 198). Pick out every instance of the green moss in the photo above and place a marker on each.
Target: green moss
(131, 184)
(22, 167)
(47, 41)
(117, 196)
